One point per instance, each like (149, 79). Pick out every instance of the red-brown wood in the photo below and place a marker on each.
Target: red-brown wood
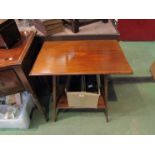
(152, 69)
(9, 82)
(15, 55)
(15, 65)
(81, 57)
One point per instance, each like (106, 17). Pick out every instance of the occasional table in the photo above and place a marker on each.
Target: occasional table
(86, 57)
(15, 65)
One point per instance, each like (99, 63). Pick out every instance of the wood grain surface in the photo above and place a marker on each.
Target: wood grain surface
(81, 57)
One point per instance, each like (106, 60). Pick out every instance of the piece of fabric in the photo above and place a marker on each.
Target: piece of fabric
(136, 29)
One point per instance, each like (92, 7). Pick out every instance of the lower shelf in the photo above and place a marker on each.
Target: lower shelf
(63, 104)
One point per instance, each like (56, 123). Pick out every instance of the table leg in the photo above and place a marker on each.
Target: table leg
(105, 94)
(28, 87)
(54, 98)
(75, 25)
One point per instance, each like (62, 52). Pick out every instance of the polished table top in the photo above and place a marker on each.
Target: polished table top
(81, 57)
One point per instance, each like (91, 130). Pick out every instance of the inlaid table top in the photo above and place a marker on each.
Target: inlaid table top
(81, 57)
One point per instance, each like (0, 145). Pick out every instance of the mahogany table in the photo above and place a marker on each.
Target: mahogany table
(89, 57)
(15, 65)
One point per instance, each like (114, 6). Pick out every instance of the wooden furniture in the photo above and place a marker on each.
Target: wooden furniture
(15, 65)
(48, 26)
(99, 57)
(94, 31)
(75, 24)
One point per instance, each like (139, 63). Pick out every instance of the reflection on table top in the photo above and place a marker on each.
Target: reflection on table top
(81, 57)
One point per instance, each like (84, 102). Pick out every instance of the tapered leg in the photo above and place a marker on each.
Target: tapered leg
(27, 86)
(75, 25)
(54, 99)
(105, 93)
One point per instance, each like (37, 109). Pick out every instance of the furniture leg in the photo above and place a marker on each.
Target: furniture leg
(75, 25)
(27, 87)
(54, 98)
(67, 82)
(105, 93)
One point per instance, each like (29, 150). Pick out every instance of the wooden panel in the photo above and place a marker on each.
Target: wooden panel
(9, 82)
(81, 57)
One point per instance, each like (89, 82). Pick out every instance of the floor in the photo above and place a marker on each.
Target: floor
(97, 28)
(132, 112)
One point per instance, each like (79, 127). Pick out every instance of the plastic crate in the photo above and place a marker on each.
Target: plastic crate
(22, 120)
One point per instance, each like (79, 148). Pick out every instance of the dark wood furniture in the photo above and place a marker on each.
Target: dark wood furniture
(75, 24)
(100, 57)
(99, 31)
(15, 65)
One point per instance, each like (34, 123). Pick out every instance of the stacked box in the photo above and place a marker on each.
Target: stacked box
(49, 27)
